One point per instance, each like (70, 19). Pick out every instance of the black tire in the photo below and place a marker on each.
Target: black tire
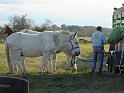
(13, 85)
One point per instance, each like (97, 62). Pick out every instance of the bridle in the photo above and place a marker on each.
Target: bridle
(73, 48)
(70, 50)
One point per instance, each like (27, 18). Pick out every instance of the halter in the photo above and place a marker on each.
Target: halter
(66, 44)
(70, 51)
(70, 41)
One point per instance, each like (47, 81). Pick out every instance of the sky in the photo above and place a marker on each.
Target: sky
(69, 12)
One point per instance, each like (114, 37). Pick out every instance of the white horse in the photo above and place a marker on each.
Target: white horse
(51, 65)
(42, 44)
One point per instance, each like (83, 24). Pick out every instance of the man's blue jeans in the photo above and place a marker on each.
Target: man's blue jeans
(98, 52)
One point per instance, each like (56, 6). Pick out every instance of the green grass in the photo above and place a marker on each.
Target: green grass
(66, 81)
(75, 83)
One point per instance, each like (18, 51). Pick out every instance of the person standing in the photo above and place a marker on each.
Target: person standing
(98, 42)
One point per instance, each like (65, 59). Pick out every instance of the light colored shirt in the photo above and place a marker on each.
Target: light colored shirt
(98, 39)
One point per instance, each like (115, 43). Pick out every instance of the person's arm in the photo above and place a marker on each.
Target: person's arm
(104, 39)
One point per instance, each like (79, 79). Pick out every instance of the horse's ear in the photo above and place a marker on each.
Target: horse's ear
(75, 34)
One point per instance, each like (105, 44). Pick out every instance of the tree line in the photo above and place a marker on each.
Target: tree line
(18, 23)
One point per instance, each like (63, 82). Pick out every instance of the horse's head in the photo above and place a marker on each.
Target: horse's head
(71, 46)
(8, 31)
(116, 35)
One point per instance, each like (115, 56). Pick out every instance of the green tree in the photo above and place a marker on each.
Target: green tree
(54, 27)
(38, 28)
(47, 25)
(20, 22)
(63, 27)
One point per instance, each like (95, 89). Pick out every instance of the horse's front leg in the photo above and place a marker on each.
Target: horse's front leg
(43, 64)
(47, 59)
(51, 65)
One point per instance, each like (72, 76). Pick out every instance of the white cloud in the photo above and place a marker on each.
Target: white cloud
(80, 12)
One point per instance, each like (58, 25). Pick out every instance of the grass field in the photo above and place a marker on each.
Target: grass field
(64, 81)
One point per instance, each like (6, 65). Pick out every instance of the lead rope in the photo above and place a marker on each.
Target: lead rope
(122, 55)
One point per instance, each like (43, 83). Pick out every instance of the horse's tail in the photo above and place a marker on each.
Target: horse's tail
(7, 55)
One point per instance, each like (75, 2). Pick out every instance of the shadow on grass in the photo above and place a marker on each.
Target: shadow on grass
(74, 83)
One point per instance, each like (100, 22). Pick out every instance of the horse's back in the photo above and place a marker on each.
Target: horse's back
(32, 44)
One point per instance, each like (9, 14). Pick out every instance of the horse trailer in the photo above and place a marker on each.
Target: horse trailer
(116, 55)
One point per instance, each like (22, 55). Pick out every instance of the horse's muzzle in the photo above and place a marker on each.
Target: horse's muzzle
(77, 51)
